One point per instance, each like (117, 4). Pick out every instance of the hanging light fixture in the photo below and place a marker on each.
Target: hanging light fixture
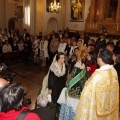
(54, 7)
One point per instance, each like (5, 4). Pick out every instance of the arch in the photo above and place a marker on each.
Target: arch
(52, 24)
(11, 23)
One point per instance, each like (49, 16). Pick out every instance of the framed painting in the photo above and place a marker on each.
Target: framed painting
(77, 10)
(20, 11)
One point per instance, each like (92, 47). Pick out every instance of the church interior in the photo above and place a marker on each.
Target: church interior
(41, 17)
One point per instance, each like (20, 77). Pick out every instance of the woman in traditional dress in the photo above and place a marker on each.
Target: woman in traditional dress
(69, 96)
(53, 82)
(56, 80)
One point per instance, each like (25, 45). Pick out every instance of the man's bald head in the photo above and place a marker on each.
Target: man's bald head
(3, 83)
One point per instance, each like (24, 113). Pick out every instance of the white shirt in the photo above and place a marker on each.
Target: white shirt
(6, 48)
(62, 47)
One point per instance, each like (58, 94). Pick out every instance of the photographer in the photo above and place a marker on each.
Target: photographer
(42, 112)
(9, 77)
(12, 107)
(3, 82)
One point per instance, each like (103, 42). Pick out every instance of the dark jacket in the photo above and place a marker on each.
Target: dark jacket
(100, 44)
(117, 67)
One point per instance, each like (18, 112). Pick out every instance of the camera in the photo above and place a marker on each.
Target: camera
(3, 67)
(9, 77)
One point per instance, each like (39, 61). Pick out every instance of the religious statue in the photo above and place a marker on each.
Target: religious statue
(77, 11)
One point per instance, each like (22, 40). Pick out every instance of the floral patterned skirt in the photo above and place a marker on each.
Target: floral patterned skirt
(66, 112)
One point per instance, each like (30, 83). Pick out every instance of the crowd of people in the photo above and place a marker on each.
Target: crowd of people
(90, 65)
(82, 82)
(43, 46)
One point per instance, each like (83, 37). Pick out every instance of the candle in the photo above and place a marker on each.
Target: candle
(117, 26)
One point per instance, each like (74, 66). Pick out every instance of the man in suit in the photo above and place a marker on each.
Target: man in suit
(101, 42)
(26, 34)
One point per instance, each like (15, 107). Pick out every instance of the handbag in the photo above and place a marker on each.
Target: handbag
(42, 100)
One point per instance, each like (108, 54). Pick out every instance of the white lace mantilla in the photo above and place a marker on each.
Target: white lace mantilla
(80, 65)
(55, 68)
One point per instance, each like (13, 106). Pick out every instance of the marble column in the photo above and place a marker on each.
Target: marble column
(26, 3)
(39, 16)
(32, 17)
(63, 14)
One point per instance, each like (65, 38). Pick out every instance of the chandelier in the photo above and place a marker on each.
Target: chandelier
(54, 7)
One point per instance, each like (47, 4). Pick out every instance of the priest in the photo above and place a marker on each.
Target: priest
(99, 99)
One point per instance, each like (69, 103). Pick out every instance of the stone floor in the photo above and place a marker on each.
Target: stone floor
(30, 77)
